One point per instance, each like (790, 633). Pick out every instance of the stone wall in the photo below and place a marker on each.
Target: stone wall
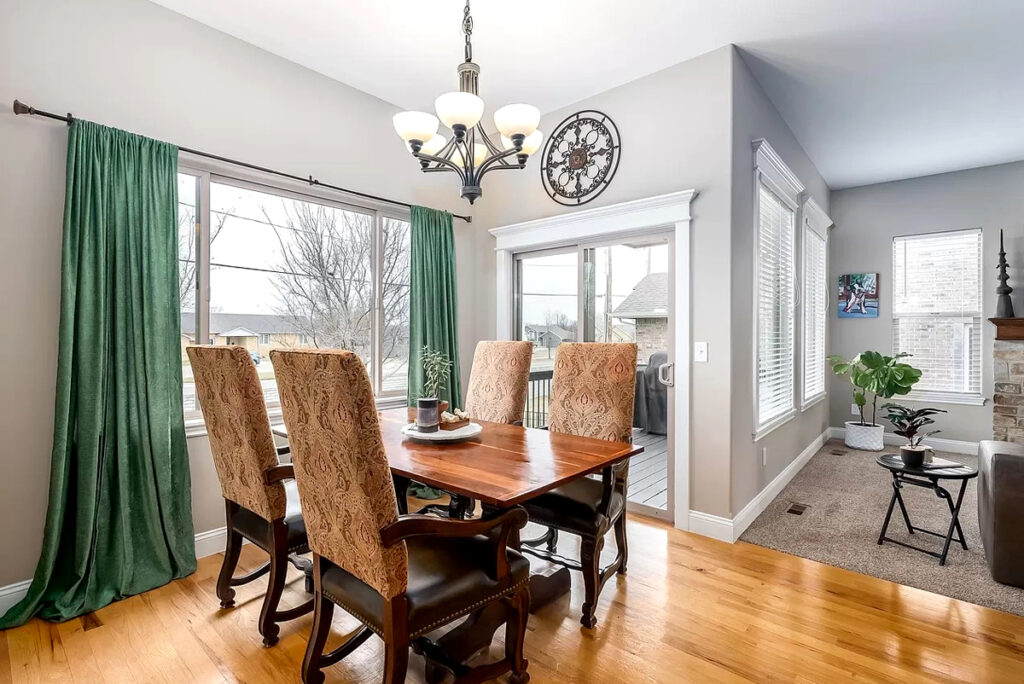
(1008, 399)
(651, 336)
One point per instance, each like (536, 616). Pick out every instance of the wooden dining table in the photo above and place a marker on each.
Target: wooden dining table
(503, 467)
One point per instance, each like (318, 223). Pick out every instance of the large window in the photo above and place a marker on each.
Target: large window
(815, 307)
(936, 309)
(285, 270)
(776, 301)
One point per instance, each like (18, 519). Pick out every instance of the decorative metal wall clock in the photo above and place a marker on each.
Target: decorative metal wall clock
(580, 158)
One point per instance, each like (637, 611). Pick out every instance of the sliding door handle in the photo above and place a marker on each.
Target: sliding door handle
(667, 374)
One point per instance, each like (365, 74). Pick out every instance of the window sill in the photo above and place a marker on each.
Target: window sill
(774, 424)
(943, 398)
(816, 399)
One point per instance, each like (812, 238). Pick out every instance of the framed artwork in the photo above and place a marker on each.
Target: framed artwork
(857, 296)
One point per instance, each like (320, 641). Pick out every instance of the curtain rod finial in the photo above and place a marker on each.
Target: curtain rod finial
(22, 108)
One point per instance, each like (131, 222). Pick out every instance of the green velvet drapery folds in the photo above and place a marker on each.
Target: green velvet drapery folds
(433, 319)
(119, 520)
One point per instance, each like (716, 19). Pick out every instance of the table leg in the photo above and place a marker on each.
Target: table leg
(954, 523)
(402, 493)
(903, 506)
(888, 513)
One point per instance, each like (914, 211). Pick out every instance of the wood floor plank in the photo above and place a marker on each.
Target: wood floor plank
(691, 609)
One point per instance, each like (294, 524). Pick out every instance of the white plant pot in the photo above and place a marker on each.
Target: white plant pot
(864, 437)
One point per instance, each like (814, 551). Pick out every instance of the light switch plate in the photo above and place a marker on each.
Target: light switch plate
(700, 352)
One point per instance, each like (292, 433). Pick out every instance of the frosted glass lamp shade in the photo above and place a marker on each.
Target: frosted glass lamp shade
(517, 118)
(479, 155)
(530, 145)
(432, 146)
(459, 109)
(415, 125)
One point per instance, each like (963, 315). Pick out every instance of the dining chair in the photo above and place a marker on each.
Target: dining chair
(498, 381)
(401, 576)
(592, 390)
(498, 384)
(260, 495)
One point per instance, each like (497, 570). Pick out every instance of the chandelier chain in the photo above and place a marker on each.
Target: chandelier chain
(467, 28)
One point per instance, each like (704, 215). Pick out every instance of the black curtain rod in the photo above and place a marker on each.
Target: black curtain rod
(22, 108)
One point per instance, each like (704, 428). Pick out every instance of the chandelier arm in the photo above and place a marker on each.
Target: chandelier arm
(494, 149)
(444, 164)
(493, 162)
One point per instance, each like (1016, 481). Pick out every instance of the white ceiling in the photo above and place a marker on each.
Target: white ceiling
(875, 90)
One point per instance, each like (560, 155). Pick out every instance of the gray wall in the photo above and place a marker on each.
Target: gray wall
(868, 217)
(675, 136)
(137, 66)
(754, 117)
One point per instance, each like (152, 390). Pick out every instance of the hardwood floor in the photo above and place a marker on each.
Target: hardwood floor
(691, 610)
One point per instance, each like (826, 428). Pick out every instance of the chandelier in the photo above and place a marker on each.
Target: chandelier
(470, 152)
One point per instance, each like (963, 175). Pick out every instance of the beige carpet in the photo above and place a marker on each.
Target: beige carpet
(847, 495)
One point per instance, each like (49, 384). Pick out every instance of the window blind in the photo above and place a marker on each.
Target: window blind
(815, 314)
(937, 308)
(775, 307)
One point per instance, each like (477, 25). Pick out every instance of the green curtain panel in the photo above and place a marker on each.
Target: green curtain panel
(119, 520)
(433, 319)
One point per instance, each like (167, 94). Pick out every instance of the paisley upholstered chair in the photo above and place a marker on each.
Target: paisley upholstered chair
(592, 392)
(260, 494)
(401, 576)
(499, 381)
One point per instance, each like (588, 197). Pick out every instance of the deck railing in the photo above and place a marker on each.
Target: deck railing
(537, 394)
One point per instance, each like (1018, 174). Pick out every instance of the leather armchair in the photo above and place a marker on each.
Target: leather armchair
(1001, 509)
(402, 576)
(261, 499)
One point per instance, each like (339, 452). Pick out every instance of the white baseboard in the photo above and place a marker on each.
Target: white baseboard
(953, 446)
(207, 544)
(729, 530)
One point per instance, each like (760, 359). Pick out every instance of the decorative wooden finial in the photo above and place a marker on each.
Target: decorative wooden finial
(1004, 307)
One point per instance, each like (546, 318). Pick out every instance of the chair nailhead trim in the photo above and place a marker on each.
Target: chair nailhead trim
(354, 613)
(469, 609)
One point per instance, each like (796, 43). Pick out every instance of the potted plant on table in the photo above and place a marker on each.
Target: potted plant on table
(437, 369)
(880, 376)
(908, 423)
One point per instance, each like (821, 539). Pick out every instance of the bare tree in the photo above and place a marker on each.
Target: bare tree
(562, 320)
(187, 252)
(325, 277)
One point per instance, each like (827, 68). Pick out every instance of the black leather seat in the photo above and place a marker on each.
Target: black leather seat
(446, 579)
(574, 507)
(260, 532)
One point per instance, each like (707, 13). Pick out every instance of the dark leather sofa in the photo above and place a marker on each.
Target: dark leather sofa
(1001, 509)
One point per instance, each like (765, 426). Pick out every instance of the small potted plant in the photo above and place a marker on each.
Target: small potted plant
(908, 423)
(436, 370)
(881, 376)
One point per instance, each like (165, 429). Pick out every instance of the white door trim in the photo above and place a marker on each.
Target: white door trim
(669, 212)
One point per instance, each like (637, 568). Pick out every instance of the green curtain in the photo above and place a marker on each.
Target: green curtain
(119, 520)
(433, 319)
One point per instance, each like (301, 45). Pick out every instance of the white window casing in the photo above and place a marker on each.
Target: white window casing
(815, 302)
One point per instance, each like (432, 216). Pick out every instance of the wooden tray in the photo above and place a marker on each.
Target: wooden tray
(456, 425)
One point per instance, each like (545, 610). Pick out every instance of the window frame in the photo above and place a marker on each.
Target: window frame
(772, 172)
(815, 222)
(943, 396)
(209, 172)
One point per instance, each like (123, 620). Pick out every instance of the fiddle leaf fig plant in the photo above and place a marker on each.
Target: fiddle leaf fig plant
(878, 375)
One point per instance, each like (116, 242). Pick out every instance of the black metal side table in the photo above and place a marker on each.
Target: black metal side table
(927, 476)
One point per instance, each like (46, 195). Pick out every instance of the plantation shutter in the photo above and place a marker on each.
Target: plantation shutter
(815, 303)
(775, 307)
(937, 309)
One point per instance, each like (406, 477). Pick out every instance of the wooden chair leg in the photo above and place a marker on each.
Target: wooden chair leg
(590, 559)
(621, 542)
(323, 612)
(231, 552)
(552, 539)
(396, 640)
(515, 635)
(269, 628)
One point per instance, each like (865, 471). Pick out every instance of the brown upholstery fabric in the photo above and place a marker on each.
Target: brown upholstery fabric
(340, 464)
(592, 390)
(243, 449)
(498, 381)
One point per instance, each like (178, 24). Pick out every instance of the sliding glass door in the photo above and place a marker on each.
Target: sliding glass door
(607, 292)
